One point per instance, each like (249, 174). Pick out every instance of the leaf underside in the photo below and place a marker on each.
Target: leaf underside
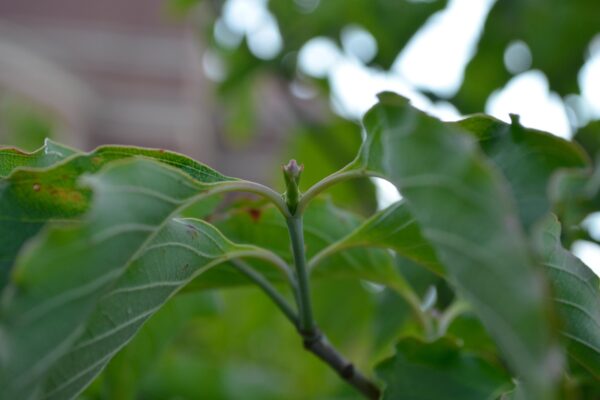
(465, 211)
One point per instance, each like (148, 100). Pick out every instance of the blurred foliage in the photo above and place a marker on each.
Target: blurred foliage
(557, 33)
(126, 372)
(451, 372)
(22, 123)
(558, 52)
(243, 349)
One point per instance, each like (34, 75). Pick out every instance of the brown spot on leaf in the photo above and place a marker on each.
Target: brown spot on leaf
(255, 214)
(96, 161)
(66, 195)
(76, 197)
(36, 187)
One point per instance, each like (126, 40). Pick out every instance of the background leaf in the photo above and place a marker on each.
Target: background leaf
(558, 52)
(440, 370)
(125, 372)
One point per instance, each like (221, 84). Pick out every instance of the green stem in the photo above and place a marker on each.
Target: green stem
(269, 290)
(273, 259)
(404, 290)
(307, 323)
(318, 344)
(454, 310)
(278, 262)
(314, 341)
(325, 183)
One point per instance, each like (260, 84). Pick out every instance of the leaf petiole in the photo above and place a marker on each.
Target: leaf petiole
(269, 290)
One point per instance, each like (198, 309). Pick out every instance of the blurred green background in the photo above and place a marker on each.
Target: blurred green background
(244, 85)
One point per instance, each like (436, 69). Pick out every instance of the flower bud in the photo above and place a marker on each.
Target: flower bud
(291, 175)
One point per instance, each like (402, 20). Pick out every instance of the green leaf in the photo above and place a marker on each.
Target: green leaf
(473, 335)
(465, 211)
(65, 271)
(49, 154)
(182, 250)
(392, 228)
(324, 224)
(515, 393)
(589, 138)
(439, 370)
(576, 295)
(575, 194)
(395, 304)
(527, 158)
(31, 197)
(126, 371)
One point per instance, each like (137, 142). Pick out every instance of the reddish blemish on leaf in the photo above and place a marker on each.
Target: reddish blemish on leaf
(68, 196)
(255, 214)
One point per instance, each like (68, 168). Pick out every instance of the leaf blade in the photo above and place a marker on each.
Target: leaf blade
(440, 369)
(50, 153)
(324, 224)
(576, 295)
(464, 209)
(30, 197)
(528, 158)
(182, 250)
(392, 228)
(50, 277)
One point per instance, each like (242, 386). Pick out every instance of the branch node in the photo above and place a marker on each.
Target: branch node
(311, 338)
(315, 342)
(348, 371)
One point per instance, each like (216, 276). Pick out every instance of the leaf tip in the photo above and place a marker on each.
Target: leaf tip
(392, 98)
